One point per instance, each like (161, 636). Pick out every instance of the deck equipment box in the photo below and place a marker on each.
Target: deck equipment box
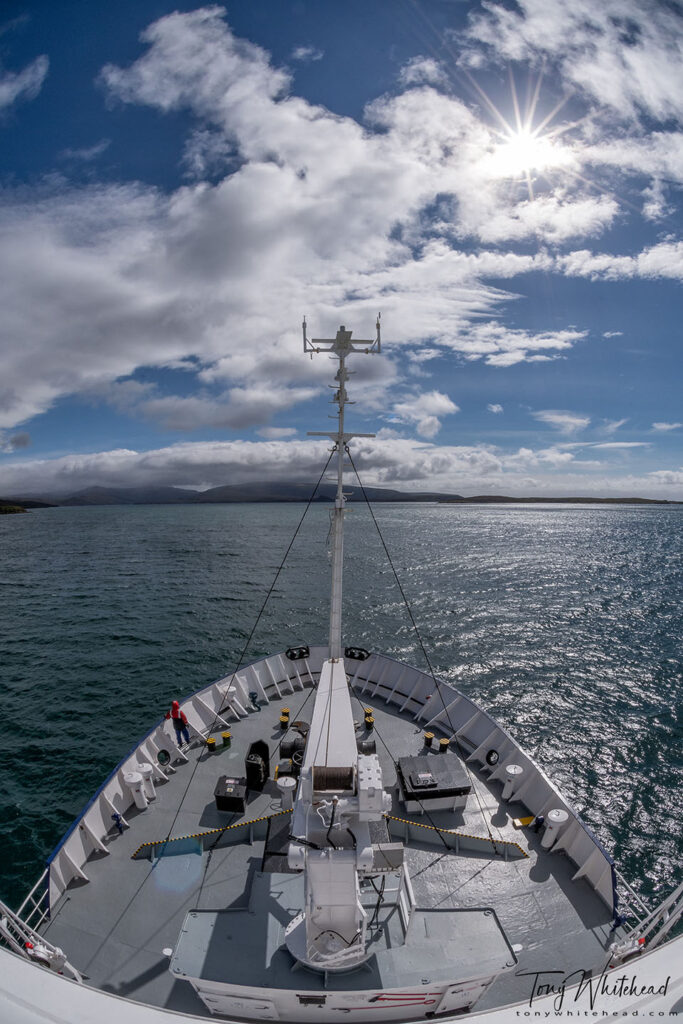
(231, 794)
(433, 783)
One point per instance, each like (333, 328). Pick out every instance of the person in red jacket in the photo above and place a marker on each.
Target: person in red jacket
(179, 720)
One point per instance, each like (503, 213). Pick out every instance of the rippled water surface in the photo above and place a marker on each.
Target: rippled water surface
(565, 622)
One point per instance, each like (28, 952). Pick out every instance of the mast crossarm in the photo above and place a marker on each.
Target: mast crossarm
(342, 343)
(334, 436)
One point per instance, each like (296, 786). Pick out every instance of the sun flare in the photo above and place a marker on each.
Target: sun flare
(523, 145)
(524, 151)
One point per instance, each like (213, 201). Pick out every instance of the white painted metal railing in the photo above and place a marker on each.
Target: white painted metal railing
(35, 908)
(22, 939)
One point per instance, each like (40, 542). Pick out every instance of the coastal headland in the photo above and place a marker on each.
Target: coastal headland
(285, 491)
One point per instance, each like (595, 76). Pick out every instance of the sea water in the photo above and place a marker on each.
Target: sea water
(565, 622)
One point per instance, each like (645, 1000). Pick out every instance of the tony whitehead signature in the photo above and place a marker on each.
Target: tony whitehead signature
(622, 986)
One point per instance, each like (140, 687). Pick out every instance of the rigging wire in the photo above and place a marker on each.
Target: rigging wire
(424, 653)
(380, 899)
(282, 563)
(246, 646)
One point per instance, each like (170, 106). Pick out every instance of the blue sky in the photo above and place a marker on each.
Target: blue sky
(180, 184)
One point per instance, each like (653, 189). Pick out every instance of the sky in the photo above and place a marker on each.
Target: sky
(180, 185)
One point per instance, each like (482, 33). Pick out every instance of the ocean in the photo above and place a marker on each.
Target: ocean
(565, 622)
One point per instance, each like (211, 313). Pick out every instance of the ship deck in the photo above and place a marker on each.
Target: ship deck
(119, 927)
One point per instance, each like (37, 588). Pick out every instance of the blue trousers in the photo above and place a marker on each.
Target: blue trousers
(182, 733)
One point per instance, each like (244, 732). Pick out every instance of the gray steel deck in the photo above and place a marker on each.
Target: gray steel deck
(115, 927)
(252, 940)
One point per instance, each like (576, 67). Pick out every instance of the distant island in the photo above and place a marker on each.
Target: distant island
(504, 499)
(7, 509)
(285, 491)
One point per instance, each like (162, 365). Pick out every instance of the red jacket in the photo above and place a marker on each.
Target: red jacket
(178, 717)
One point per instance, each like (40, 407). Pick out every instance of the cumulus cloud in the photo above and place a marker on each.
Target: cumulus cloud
(424, 411)
(423, 70)
(565, 422)
(25, 84)
(551, 218)
(664, 260)
(658, 154)
(619, 53)
(502, 346)
(622, 61)
(392, 462)
(97, 282)
(495, 408)
(656, 206)
(237, 408)
(667, 477)
(666, 426)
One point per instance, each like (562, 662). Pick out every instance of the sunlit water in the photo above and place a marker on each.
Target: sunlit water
(565, 622)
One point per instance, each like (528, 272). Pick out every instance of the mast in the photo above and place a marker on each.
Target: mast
(340, 791)
(341, 347)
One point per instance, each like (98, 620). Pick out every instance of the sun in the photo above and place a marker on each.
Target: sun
(523, 146)
(524, 151)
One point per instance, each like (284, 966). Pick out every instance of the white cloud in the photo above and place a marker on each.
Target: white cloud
(622, 54)
(25, 84)
(424, 411)
(611, 426)
(423, 71)
(237, 408)
(656, 206)
(306, 54)
(276, 433)
(495, 408)
(621, 444)
(502, 346)
(666, 426)
(655, 154)
(551, 218)
(612, 334)
(393, 462)
(87, 153)
(565, 422)
(623, 62)
(97, 282)
(664, 260)
(207, 152)
(668, 478)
